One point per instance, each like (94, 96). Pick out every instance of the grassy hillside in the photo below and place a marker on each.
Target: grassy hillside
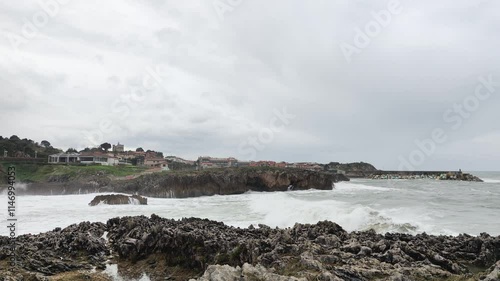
(42, 172)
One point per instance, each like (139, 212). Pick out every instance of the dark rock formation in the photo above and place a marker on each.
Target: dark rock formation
(76, 247)
(191, 183)
(226, 181)
(119, 199)
(167, 249)
(460, 177)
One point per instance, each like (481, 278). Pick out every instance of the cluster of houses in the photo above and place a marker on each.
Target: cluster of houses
(117, 157)
(152, 159)
(206, 162)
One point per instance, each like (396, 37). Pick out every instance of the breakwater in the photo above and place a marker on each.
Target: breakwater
(436, 175)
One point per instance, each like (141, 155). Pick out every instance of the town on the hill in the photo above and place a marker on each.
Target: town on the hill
(24, 150)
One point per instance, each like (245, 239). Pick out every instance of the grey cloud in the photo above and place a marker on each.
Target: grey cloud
(224, 79)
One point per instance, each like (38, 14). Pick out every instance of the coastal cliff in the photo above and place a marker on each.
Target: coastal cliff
(166, 249)
(226, 181)
(187, 183)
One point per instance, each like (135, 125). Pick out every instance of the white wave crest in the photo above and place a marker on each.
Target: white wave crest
(18, 186)
(284, 210)
(133, 201)
(350, 186)
(491, 180)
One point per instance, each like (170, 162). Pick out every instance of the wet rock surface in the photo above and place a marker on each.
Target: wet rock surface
(119, 199)
(202, 250)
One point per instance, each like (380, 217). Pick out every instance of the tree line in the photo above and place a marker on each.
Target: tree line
(14, 146)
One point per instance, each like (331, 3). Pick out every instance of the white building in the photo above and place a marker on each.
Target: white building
(97, 158)
(84, 158)
(64, 158)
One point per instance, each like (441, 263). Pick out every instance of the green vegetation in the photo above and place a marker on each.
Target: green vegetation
(349, 167)
(177, 166)
(16, 147)
(43, 172)
(106, 146)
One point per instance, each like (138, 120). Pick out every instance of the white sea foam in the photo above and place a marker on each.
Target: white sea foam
(491, 180)
(283, 210)
(436, 207)
(17, 186)
(133, 201)
(352, 186)
(112, 271)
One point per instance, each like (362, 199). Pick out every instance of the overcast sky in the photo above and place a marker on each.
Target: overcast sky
(192, 78)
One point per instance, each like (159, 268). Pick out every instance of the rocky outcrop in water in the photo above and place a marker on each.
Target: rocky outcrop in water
(165, 249)
(459, 177)
(226, 181)
(119, 199)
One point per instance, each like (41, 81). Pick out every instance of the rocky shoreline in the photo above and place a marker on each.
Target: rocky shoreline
(200, 249)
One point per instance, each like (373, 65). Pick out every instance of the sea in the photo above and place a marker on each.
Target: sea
(406, 206)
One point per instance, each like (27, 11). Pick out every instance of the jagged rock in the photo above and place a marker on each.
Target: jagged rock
(365, 251)
(247, 273)
(209, 250)
(495, 273)
(79, 246)
(119, 199)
